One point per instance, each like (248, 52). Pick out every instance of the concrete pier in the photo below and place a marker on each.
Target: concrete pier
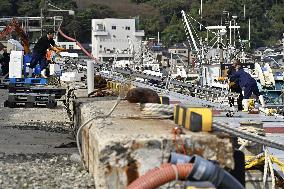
(119, 149)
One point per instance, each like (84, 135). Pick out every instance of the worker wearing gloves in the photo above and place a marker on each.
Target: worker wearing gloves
(247, 83)
(39, 53)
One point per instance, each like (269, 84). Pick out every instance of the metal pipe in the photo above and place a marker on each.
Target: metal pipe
(90, 76)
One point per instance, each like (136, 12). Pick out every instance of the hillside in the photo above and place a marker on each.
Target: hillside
(123, 8)
(267, 17)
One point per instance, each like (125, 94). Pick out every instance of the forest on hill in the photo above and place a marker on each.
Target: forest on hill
(267, 16)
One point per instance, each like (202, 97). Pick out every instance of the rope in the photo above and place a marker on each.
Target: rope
(249, 129)
(165, 110)
(200, 24)
(176, 133)
(245, 143)
(87, 122)
(194, 31)
(252, 161)
(156, 109)
(122, 95)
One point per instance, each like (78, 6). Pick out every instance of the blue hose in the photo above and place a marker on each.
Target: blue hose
(176, 158)
(204, 170)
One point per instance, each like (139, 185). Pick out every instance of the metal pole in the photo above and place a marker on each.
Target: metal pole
(230, 33)
(244, 11)
(200, 13)
(249, 32)
(90, 76)
(234, 33)
(41, 17)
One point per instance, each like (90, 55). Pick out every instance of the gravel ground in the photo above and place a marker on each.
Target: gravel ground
(42, 171)
(35, 150)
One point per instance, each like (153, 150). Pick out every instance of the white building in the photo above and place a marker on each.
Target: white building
(115, 37)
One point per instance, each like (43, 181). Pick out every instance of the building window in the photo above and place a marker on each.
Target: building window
(100, 27)
(113, 27)
(127, 28)
(101, 46)
(71, 46)
(64, 46)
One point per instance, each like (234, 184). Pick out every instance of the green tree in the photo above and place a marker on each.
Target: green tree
(174, 32)
(27, 8)
(6, 8)
(276, 18)
(80, 26)
(151, 25)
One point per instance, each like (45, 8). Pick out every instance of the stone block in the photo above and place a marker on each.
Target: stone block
(119, 149)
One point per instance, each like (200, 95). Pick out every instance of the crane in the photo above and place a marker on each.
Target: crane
(188, 29)
(15, 26)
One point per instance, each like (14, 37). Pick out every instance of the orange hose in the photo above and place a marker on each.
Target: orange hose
(160, 176)
(77, 42)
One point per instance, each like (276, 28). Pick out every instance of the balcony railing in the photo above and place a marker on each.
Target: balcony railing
(100, 32)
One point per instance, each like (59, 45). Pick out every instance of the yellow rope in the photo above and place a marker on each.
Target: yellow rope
(251, 161)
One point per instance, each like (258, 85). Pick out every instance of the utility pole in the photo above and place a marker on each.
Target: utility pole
(244, 11)
(200, 13)
(249, 32)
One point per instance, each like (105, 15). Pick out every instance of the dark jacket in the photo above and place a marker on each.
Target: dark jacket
(4, 61)
(243, 78)
(43, 44)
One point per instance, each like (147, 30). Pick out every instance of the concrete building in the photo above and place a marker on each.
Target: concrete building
(115, 37)
(182, 50)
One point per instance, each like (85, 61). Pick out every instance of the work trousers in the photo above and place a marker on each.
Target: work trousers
(251, 89)
(236, 89)
(38, 59)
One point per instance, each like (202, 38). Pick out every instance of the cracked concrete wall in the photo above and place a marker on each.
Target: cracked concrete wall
(119, 149)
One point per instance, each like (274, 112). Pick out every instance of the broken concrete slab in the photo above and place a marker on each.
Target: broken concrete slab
(119, 149)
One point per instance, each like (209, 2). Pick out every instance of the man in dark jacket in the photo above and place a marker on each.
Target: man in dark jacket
(39, 52)
(234, 87)
(5, 61)
(247, 83)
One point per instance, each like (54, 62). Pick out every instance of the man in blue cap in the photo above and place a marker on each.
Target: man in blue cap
(248, 85)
